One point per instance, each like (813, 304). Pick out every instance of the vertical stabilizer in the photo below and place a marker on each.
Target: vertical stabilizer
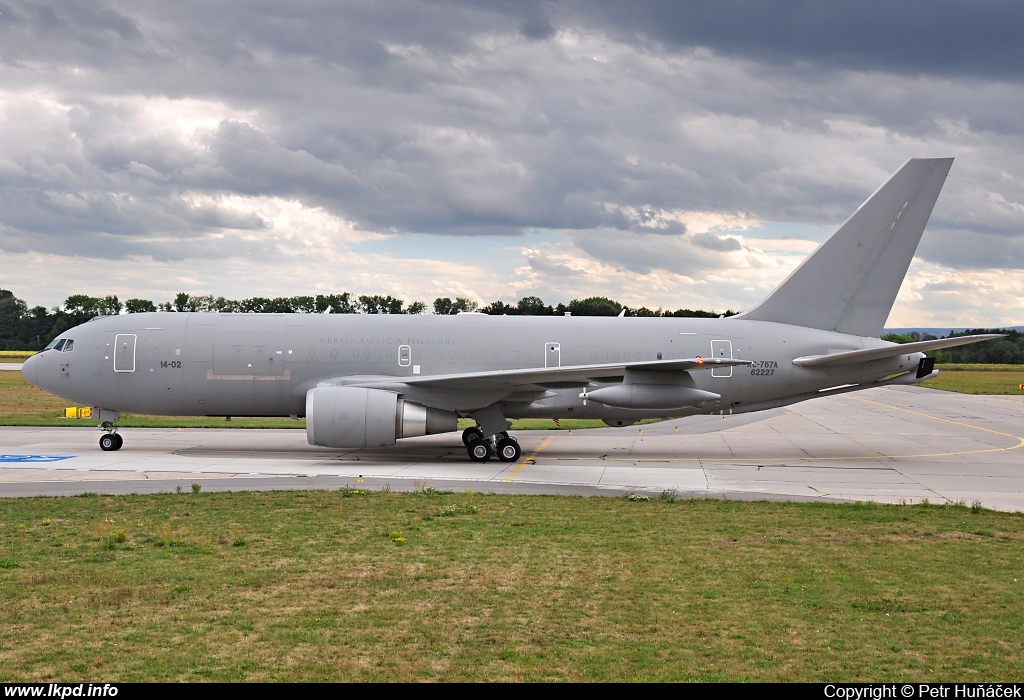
(850, 282)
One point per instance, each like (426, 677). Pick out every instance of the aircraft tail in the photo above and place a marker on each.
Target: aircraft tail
(849, 283)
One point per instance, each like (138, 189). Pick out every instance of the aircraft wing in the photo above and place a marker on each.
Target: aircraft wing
(856, 357)
(576, 375)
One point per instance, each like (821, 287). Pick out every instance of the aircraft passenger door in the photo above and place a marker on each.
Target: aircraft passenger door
(552, 355)
(721, 350)
(124, 352)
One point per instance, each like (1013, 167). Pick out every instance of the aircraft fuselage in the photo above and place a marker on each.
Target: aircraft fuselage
(264, 364)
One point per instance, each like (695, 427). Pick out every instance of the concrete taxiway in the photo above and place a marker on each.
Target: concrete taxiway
(898, 444)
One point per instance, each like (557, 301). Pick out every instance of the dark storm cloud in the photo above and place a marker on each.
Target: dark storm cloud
(911, 36)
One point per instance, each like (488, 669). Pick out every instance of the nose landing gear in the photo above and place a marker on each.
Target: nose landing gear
(110, 441)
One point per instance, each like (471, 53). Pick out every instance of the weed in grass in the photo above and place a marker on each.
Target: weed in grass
(177, 489)
(430, 491)
(455, 509)
(196, 487)
(976, 506)
(9, 563)
(637, 497)
(669, 496)
(45, 522)
(88, 494)
(396, 537)
(165, 536)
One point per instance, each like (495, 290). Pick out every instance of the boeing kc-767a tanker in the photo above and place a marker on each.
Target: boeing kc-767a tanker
(369, 380)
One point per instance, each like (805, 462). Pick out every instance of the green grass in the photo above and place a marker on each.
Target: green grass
(322, 586)
(978, 379)
(954, 367)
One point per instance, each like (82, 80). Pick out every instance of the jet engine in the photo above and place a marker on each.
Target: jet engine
(345, 416)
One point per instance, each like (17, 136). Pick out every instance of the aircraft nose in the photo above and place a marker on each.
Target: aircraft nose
(30, 370)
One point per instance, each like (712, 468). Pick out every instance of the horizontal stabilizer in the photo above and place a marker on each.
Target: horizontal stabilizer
(856, 357)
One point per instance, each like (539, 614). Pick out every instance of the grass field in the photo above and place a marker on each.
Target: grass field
(343, 585)
(15, 355)
(979, 379)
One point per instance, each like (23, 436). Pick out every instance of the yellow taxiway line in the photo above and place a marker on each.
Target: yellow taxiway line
(529, 460)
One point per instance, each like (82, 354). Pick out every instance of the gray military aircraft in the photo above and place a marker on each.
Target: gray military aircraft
(368, 380)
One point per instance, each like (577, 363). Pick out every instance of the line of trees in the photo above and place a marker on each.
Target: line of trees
(24, 328)
(1005, 351)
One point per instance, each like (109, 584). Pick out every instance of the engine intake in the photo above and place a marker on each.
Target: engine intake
(345, 416)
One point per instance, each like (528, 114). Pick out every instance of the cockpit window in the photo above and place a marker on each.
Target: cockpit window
(69, 346)
(60, 344)
(52, 343)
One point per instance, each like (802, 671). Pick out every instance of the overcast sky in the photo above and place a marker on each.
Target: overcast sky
(663, 154)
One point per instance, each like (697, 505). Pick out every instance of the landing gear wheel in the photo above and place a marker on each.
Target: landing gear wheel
(479, 450)
(509, 450)
(120, 441)
(470, 434)
(108, 442)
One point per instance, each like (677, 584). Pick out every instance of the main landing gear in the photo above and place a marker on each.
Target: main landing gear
(481, 448)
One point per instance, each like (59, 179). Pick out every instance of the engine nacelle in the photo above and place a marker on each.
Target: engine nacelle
(346, 416)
